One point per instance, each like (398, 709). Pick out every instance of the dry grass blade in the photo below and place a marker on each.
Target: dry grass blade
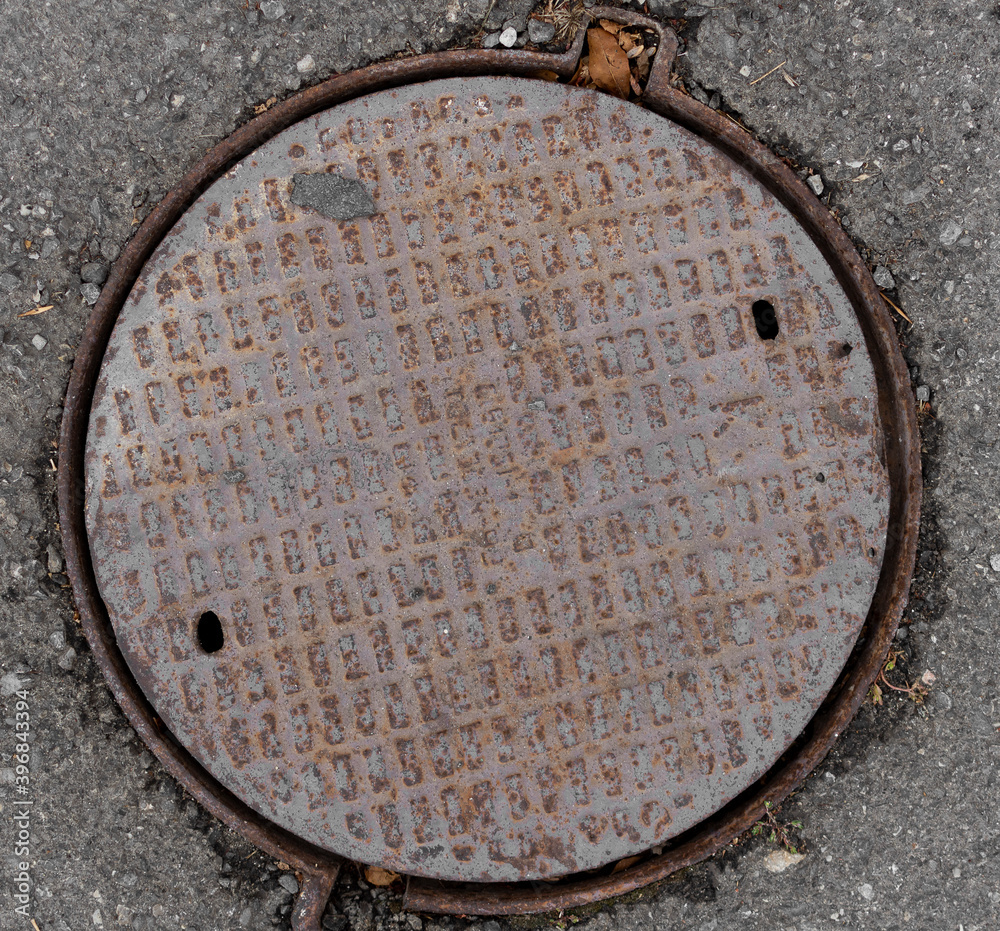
(768, 74)
(896, 307)
(608, 63)
(568, 16)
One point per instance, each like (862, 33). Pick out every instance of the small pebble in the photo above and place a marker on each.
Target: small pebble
(950, 234)
(58, 640)
(157, 910)
(288, 882)
(867, 891)
(883, 278)
(90, 293)
(901, 633)
(39, 341)
(941, 701)
(271, 10)
(745, 71)
(492, 40)
(305, 64)
(508, 37)
(995, 562)
(540, 32)
(94, 272)
(816, 183)
(68, 660)
(924, 395)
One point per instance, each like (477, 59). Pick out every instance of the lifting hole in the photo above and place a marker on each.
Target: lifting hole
(765, 319)
(845, 350)
(210, 636)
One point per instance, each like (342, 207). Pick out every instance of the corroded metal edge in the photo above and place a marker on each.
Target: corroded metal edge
(895, 406)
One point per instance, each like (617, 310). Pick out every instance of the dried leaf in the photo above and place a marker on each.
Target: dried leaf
(545, 75)
(582, 76)
(628, 40)
(635, 85)
(608, 64)
(608, 26)
(380, 877)
(625, 864)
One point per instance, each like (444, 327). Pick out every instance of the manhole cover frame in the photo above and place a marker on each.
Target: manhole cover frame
(896, 412)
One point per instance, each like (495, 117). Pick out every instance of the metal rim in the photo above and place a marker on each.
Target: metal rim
(895, 407)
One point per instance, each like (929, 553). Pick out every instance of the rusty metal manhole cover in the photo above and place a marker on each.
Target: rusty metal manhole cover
(511, 528)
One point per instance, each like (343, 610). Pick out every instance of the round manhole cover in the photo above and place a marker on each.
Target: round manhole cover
(484, 479)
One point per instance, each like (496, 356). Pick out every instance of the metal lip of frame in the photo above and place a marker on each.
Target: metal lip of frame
(902, 453)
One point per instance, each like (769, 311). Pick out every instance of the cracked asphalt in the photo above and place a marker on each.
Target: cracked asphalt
(889, 108)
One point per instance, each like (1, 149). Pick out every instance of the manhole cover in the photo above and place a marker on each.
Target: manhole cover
(503, 515)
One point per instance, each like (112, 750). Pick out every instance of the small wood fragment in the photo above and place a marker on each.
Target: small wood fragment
(37, 310)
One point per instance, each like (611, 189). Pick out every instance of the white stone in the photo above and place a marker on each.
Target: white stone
(306, 64)
(779, 860)
(39, 341)
(995, 562)
(816, 183)
(508, 37)
(867, 891)
(10, 684)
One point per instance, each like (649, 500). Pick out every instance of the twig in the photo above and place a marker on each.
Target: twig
(897, 308)
(37, 310)
(775, 68)
(34, 924)
(489, 10)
